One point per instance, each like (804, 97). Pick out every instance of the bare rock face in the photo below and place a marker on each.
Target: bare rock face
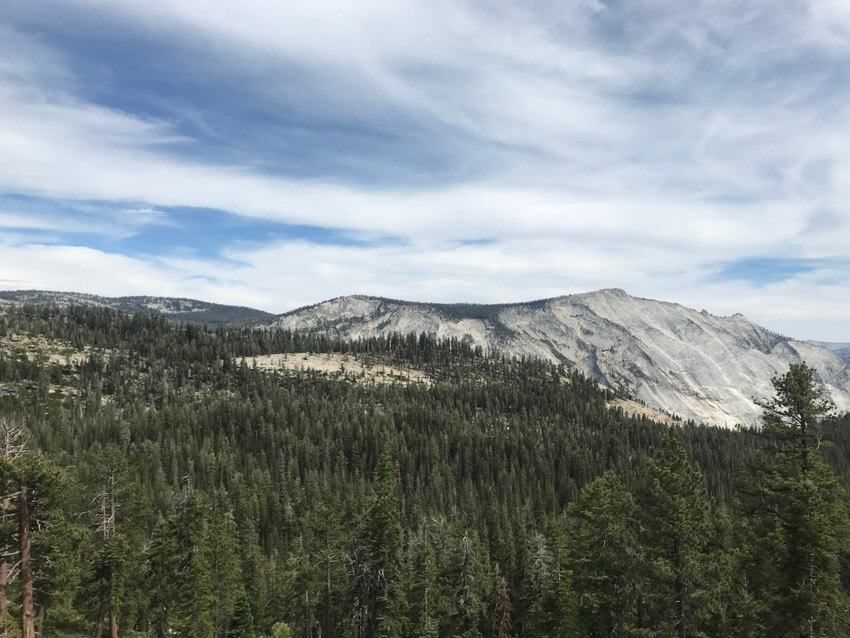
(841, 348)
(693, 364)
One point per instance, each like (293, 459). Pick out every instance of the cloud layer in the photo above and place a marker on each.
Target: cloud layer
(446, 151)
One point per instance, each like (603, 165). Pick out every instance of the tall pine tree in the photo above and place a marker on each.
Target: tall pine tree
(794, 520)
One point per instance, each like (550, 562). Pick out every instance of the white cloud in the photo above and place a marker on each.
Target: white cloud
(286, 275)
(639, 159)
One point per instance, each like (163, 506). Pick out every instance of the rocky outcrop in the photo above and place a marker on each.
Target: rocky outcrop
(693, 364)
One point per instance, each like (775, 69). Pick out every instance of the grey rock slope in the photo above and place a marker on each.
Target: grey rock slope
(689, 363)
(841, 348)
(170, 307)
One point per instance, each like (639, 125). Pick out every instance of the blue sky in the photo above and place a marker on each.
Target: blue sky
(275, 154)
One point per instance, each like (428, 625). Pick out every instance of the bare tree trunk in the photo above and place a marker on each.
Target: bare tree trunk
(41, 613)
(12, 446)
(101, 613)
(4, 582)
(113, 624)
(27, 618)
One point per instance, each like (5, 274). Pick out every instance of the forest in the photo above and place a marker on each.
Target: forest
(156, 484)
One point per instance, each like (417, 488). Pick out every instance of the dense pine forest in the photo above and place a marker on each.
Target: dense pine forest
(158, 483)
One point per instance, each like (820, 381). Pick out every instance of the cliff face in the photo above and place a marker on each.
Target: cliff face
(693, 364)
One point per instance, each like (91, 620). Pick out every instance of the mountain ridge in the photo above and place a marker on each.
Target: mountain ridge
(175, 308)
(694, 364)
(691, 363)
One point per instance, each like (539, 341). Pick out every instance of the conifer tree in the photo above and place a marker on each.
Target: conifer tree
(224, 564)
(107, 569)
(605, 561)
(381, 591)
(194, 597)
(471, 588)
(162, 559)
(794, 519)
(503, 610)
(424, 594)
(553, 608)
(242, 622)
(676, 542)
(33, 487)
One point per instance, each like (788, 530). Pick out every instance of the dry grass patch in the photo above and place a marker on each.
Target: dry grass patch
(33, 346)
(633, 408)
(347, 365)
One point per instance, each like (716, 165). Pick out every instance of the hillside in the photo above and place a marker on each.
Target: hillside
(841, 348)
(266, 476)
(176, 309)
(675, 359)
(670, 358)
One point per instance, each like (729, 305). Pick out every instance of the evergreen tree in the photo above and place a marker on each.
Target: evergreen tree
(225, 566)
(194, 595)
(794, 520)
(33, 487)
(107, 571)
(676, 541)
(554, 604)
(242, 622)
(605, 560)
(472, 587)
(383, 602)
(162, 560)
(424, 595)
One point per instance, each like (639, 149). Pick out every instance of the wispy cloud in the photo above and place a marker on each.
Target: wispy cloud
(478, 151)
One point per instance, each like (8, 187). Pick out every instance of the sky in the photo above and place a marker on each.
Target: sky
(276, 154)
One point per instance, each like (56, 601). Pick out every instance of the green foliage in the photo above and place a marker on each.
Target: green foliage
(683, 556)
(242, 622)
(281, 630)
(380, 585)
(605, 559)
(554, 603)
(340, 506)
(794, 521)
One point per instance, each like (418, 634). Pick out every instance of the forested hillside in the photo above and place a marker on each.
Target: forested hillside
(170, 489)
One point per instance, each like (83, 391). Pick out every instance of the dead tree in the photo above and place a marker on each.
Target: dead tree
(12, 447)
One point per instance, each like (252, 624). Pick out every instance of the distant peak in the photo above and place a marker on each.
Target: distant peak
(603, 292)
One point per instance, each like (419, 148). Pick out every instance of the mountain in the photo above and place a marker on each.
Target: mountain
(671, 358)
(169, 307)
(694, 364)
(841, 348)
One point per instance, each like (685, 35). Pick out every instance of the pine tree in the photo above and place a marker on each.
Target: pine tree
(794, 520)
(605, 561)
(554, 603)
(194, 597)
(381, 589)
(162, 559)
(34, 487)
(224, 564)
(109, 564)
(424, 594)
(472, 587)
(12, 447)
(676, 542)
(242, 622)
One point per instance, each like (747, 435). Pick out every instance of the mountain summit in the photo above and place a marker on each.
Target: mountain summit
(691, 363)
